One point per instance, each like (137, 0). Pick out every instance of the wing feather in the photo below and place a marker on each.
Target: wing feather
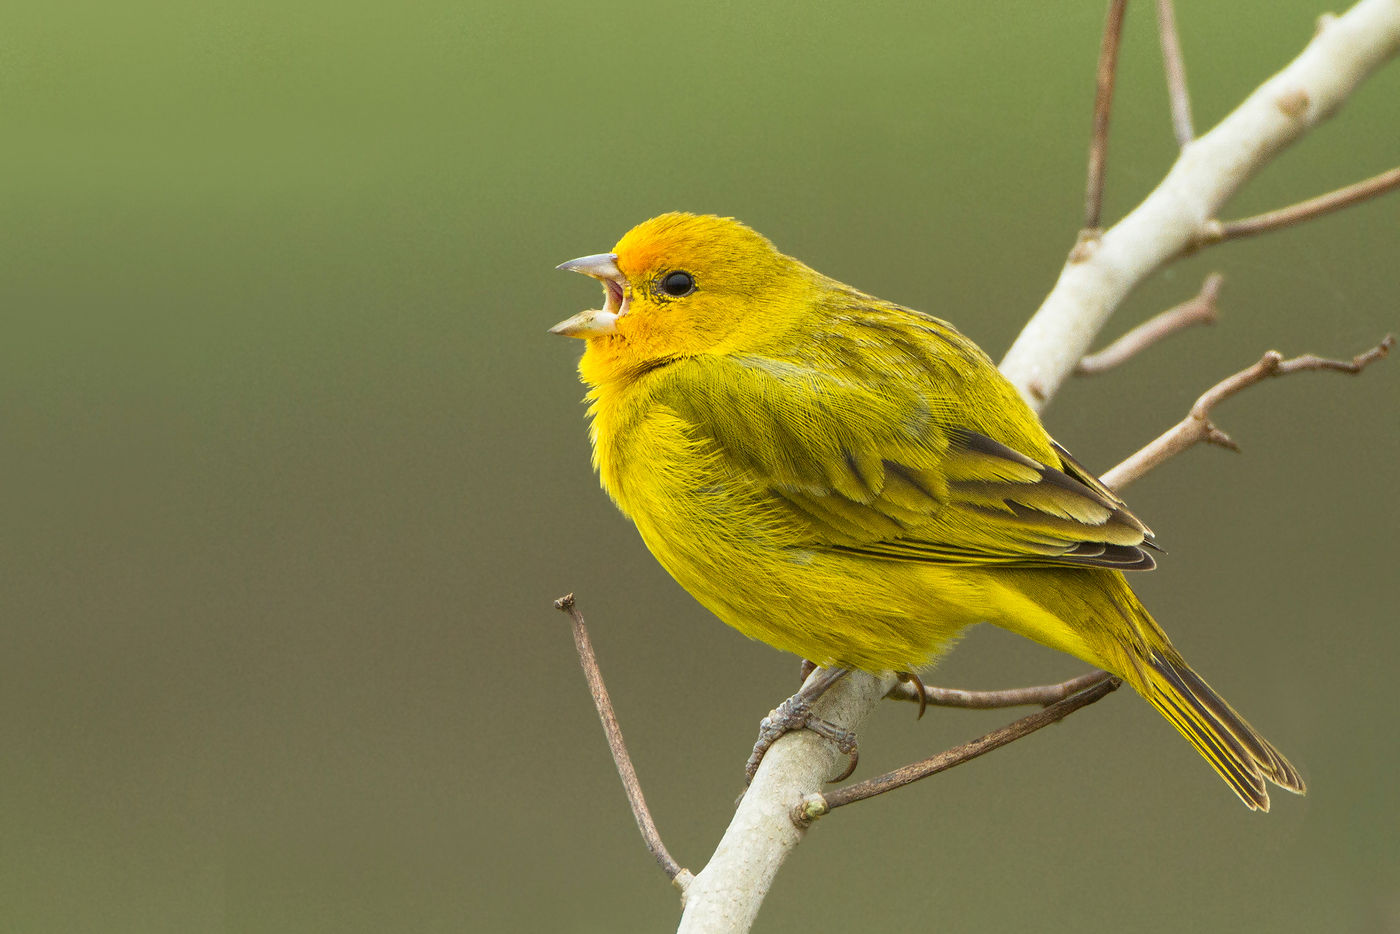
(910, 464)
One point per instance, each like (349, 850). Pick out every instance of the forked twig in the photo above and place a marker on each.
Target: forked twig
(1197, 427)
(1198, 310)
(1220, 231)
(1103, 106)
(817, 805)
(1175, 67)
(679, 877)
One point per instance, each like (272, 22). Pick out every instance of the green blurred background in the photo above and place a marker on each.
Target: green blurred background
(292, 471)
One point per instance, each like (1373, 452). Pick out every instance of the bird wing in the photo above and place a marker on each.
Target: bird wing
(902, 467)
(1006, 508)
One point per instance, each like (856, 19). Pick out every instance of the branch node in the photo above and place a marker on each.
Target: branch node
(1212, 231)
(1323, 22)
(1294, 104)
(1269, 363)
(808, 810)
(1086, 245)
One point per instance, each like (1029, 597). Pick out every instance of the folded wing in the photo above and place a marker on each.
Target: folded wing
(904, 466)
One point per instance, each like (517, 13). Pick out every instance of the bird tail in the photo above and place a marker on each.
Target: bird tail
(1232, 747)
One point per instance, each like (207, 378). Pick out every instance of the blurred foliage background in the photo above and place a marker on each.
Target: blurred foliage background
(292, 471)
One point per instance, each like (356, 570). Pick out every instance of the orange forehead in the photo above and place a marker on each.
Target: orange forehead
(683, 241)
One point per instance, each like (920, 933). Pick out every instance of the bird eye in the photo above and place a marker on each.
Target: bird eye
(677, 284)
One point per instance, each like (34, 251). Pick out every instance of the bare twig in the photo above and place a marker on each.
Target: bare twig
(679, 877)
(1198, 310)
(1103, 106)
(1175, 67)
(1220, 231)
(1197, 427)
(1043, 694)
(815, 805)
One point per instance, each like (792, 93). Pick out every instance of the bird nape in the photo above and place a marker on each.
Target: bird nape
(855, 482)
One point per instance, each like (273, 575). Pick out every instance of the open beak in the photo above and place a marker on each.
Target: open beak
(599, 321)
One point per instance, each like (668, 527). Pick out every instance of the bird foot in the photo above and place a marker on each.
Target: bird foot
(795, 713)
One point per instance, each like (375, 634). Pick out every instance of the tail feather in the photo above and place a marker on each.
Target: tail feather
(1232, 747)
(1271, 762)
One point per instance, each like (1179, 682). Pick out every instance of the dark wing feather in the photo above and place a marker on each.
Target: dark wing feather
(1005, 508)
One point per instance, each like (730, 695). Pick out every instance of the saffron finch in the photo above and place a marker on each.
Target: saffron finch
(855, 482)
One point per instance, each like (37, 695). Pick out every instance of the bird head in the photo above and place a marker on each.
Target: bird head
(680, 285)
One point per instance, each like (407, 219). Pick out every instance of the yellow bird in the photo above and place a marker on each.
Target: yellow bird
(855, 482)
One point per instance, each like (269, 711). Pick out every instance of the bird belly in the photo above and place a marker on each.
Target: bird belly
(729, 541)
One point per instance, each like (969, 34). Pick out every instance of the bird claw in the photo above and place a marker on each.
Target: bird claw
(795, 713)
(908, 677)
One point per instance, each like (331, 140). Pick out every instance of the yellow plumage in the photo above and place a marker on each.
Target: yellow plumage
(856, 483)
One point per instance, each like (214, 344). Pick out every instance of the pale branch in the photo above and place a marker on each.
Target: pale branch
(1197, 426)
(1042, 694)
(818, 804)
(1220, 231)
(680, 878)
(1102, 272)
(1198, 310)
(1103, 107)
(725, 896)
(1175, 67)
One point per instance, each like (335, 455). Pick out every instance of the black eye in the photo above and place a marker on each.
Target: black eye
(677, 284)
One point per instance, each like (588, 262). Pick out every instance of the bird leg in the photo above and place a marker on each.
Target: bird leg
(795, 713)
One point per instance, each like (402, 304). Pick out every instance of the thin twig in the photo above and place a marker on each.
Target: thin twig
(816, 805)
(1042, 694)
(1103, 106)
(1198, 310)
(679, 877)
(1175, 67)
(1197, 427)
(1220, 231)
